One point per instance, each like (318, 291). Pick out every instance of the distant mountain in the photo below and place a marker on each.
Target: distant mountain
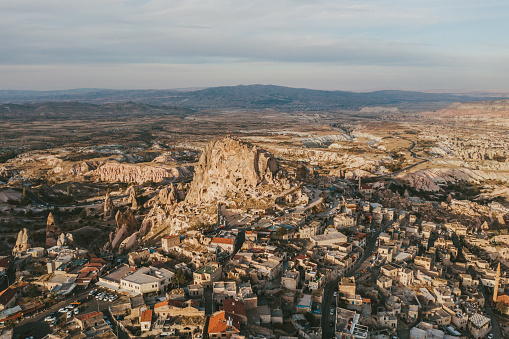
(86, 111)
(243, 97)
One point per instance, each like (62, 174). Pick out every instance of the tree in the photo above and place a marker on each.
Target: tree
(281, 231)
(179, 278)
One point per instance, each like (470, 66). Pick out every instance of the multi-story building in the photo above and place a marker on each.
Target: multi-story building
(147, 280)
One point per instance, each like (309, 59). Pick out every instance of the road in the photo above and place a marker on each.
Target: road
(328, 298)
(37, 327)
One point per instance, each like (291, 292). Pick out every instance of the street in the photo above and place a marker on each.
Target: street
(38, 328)
(327, 330)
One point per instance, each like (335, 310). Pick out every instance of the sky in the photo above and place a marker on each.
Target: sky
(320, 44)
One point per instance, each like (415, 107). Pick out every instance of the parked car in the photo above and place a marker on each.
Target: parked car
(50, 318)
(92, 292)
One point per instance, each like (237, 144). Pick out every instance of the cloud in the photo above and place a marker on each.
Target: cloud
(320, 33)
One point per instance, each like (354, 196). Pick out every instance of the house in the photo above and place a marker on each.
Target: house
(329, 239)
(147, 280)
(290, 279)
(207, 274)
(348, 326)
(235, 310)
(195, 290)
(174, 308)
(265, 314)
(304, 304)
(347, 286)
(92, 319)
(479, 325)
(7, 298)
(146, 320)
(226, 244)
(169, 242)
(221, 327)
(423, 262)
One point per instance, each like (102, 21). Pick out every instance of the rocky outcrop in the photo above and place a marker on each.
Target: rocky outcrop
(131, 197)
(431, 179)
(108, 207)
(126, 226)
(22, 242)
(52, 231)
(115, 172)
(65, 239)
(227, 166)
(230, 171)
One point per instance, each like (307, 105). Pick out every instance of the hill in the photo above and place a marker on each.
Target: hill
(243, 97)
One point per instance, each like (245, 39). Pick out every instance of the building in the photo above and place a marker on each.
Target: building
(348, 326)
(146, 320)
(290, 280)
(423, 262)
(147, 280)
(169, 242)
(226, 244)
(222, 327)
(329, 239)
(91, 319)
(347, 286)
(479, 325)
(207, 274)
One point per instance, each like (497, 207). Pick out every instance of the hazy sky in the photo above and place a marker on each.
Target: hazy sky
(345, 45)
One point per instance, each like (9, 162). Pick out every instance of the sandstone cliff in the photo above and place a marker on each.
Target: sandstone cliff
(430, 179)
(120, 172)
(228, 166)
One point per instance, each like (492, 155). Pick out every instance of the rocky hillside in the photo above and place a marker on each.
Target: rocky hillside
(480, 109)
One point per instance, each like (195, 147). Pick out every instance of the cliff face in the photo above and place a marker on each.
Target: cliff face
(227, 166)
(113, 171)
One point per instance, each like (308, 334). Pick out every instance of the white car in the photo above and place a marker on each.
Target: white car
(50, 318)
(62, 310)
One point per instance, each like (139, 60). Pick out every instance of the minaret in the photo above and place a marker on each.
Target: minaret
(497, 282)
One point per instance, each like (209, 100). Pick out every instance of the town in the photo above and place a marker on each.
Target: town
(344, 258)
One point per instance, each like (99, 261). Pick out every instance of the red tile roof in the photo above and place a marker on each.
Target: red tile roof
(171, 236)
(220, 240)
(146, 316)
(218, 322)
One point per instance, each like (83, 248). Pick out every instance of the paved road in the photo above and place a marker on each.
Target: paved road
(37, 327)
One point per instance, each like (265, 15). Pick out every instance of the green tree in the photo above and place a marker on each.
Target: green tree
(179, 278)
(281, 231)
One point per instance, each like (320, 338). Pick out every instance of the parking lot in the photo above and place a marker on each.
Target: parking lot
(37, 326)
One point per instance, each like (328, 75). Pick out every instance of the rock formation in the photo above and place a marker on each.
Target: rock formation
(52, 231)
(430, 179)
(65, 239)
(22, 242)
(131, 199)
(227, 166)
(126, 226)
(230, 171)
(108, 207)
(114, 171)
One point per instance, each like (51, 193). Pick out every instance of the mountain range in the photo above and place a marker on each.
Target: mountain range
(243, 97)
